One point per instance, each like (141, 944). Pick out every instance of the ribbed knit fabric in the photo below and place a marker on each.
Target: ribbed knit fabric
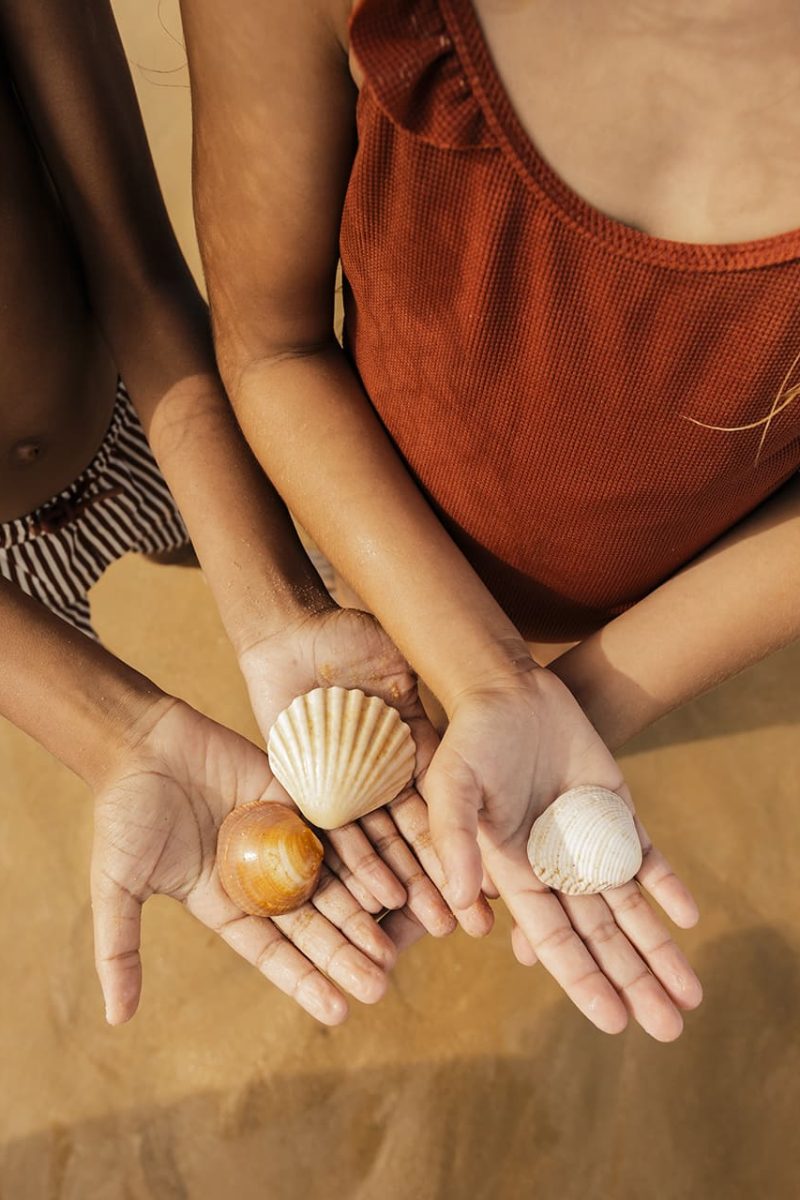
(542, 367)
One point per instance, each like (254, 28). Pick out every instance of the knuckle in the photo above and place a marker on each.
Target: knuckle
(333, 954)
(122, 958)
(301, 981)
(266, 957)
(588, 976)
(604, 931)
(416, 882)
(369, 864)
(554, 940)
(642, 976)
(385, 843)
(634, 902)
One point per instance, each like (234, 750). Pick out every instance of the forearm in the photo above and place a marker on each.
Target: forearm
(730, 608)
(260, 576)
(82, 704)
(259, 573)
(311, 427)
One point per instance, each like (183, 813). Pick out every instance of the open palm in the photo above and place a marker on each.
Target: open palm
(348, 648)
(507, 753)
(156, 830)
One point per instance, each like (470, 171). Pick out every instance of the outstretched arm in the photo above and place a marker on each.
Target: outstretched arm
(735, 604)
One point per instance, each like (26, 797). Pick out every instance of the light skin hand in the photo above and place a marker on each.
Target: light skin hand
(610, 953)
(156, 824)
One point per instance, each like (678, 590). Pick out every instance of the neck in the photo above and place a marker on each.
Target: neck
(718, 15)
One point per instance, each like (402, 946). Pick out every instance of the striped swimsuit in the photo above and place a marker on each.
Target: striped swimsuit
(119, 503)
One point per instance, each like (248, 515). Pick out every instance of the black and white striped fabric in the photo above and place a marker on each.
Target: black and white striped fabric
(120, 503)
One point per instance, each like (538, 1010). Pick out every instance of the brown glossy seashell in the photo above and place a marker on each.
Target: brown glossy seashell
(268, 859)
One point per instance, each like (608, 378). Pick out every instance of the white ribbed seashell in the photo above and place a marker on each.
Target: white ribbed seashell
(585, 842)
(340, 754)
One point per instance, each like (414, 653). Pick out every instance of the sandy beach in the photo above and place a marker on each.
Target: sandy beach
(475, 1079)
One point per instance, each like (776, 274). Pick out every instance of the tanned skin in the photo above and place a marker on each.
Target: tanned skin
(93, 283)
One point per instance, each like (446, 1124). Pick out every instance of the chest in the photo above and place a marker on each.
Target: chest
(684, 131)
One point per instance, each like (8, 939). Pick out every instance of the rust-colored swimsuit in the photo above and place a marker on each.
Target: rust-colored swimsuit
(547, 373)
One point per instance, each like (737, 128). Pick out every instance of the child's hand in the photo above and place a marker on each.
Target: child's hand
(508, 752)
(348, 648)
(156, 828)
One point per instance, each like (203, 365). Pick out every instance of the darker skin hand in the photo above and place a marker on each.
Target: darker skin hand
(387, 858)
(156, 825)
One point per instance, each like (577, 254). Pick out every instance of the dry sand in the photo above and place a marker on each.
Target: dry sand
(475, 1079)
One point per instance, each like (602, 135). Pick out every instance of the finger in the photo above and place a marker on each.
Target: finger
(658, 878)
(329, 950)
(454, 798)
(117, 920)
(354, 885)
(523, 951)
(553, 940)
(344, 912)
(410, 814)
(424, 899)
(487, 886)
(644, 930)
(258, 941)
(403, 928)
(355, 851)
(645, 998)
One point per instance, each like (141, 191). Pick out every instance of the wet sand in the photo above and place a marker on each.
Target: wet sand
(474, 1079)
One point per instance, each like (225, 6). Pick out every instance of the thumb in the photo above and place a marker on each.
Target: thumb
(454, 798)
(117, 917)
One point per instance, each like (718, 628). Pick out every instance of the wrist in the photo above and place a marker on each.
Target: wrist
(113, 725)
(505, 665)
(85, 706)
(276, 609)
(616, 705)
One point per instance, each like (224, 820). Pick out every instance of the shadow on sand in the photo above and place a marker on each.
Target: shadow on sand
(572, 1115)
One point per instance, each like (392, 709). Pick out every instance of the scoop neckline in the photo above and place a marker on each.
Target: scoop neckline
(568, 205)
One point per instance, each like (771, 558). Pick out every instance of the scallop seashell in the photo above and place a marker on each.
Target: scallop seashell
(340, 754)
(585, 842)
(268, 859)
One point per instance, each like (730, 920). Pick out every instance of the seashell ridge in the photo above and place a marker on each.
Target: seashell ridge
(340, 754)
(585, 842)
